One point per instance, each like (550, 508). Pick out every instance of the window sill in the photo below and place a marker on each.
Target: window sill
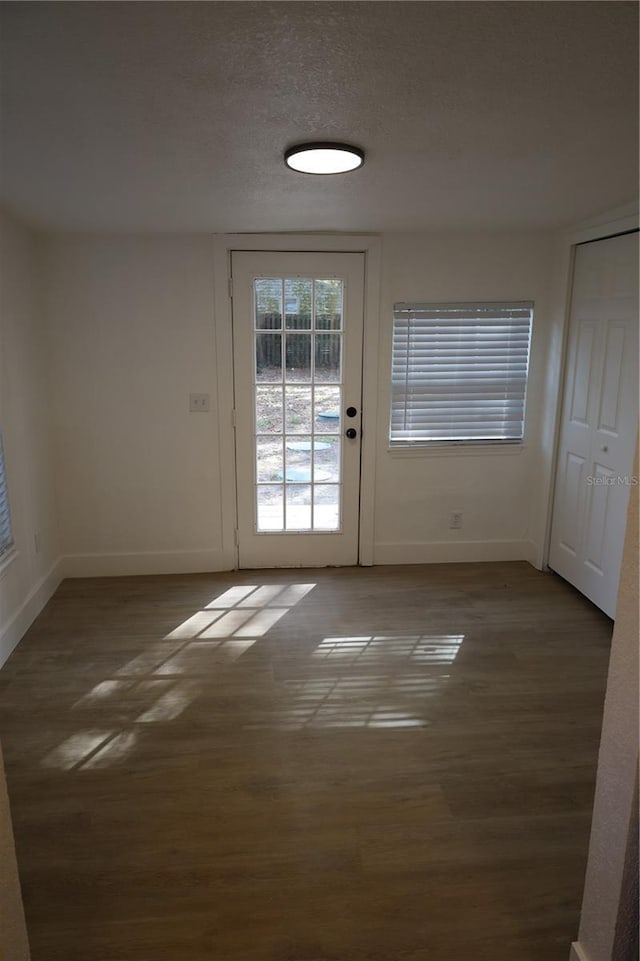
(7, 560)
(458, 450)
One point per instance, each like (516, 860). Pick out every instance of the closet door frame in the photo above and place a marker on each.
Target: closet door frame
(599, 420)
(611, 225)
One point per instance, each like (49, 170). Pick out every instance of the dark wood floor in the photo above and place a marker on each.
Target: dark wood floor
(393, 764)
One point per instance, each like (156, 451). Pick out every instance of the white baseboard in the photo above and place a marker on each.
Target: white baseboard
(578, 953)
(23, 618)
(534, 555)
(452, 552)
(147, 562)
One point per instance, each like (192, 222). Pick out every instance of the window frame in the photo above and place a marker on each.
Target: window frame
(467, 445)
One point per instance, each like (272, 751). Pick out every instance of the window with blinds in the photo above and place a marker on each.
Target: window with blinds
(459, 372)
(6, 535)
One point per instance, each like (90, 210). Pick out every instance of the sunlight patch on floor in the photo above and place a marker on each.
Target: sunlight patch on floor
(175, 669)
(76, 749)
(420, 649)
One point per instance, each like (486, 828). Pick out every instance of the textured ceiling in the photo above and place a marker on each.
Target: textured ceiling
(174, 116)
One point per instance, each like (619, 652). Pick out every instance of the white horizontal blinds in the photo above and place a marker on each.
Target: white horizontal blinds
(6, 536)
(459, 371)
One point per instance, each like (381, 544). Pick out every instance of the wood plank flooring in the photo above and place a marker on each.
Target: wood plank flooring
(375, 764)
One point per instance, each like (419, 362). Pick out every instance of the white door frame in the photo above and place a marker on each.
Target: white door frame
(616, 222)
(588, 526)
(370, 246)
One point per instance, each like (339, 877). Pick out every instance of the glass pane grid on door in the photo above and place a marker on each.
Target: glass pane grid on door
(298, 351)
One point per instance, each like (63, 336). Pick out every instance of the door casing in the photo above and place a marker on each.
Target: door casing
(223, 245)
(564, 383)
(619, 221)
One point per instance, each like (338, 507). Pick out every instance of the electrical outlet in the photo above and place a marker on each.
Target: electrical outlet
(198, 403)
(455, 521)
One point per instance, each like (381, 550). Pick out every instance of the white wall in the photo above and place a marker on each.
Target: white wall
(31, 575)
(131, 334)
(417, 491)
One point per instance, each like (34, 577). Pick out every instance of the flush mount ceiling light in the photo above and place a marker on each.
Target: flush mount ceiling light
(324, 158)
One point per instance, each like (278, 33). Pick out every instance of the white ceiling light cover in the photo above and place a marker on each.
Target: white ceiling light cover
(323, 158)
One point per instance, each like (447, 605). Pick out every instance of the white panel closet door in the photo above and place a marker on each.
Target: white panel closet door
(599, 420)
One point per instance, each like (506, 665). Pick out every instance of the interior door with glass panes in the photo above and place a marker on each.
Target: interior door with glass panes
(297, 335)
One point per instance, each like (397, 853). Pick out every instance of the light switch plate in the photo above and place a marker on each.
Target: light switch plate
(198, 403)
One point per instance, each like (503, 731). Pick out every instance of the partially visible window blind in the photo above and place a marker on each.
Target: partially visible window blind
(6, 536)
(459, 372)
